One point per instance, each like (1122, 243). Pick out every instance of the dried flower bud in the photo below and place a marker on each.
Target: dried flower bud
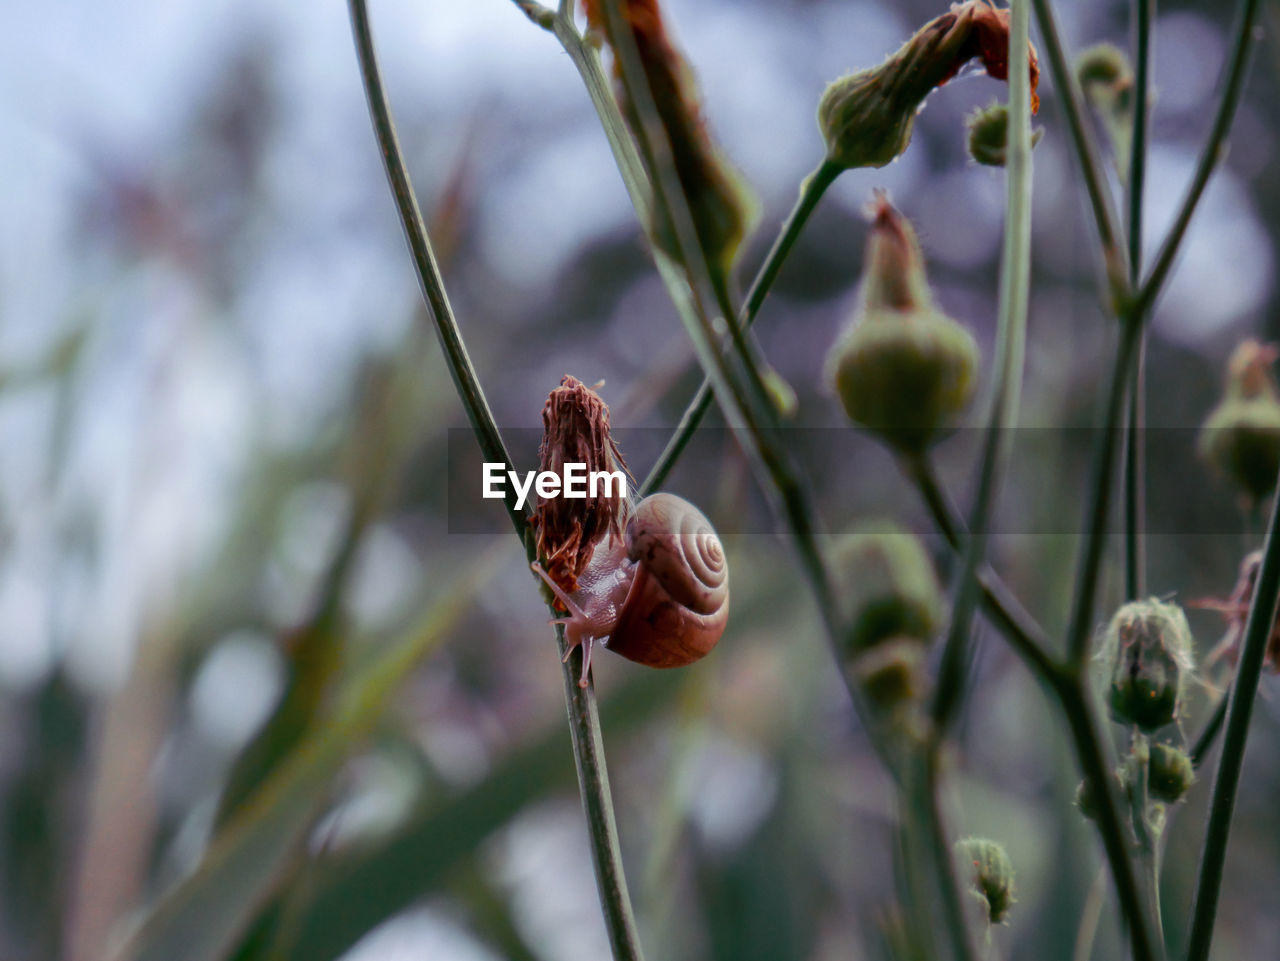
(721, 205)
(901, 367)
(1241, 437)
(890, 586)
(866, 117)
(1169, 773)
(575, 424)
(988, 138)
(991, 877)
(1147, 656)
(1235, 609)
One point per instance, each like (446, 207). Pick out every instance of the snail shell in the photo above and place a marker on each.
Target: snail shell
(678, 603)
(660, 596)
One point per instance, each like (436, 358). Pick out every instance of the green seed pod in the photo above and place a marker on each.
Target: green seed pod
(1147, 656)
(992, 875)
(1170, 773)
(1241, 437)
(901, 368)
(988, 134)
(891, 588)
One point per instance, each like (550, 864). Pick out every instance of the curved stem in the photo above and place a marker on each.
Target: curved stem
(424, 261)
(1064, 80)
(1015, 285)
(811, 192)
(1213, 152)
(584, 723)
(1257, 632)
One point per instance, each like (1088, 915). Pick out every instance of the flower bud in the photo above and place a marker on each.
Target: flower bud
(988, 138)
(891, 674)
(1107, 83)
(901, 367)
(1147, 656)
(1241, 437)
(1169, 773)
(890, 587)
(991, 877)
(866, 117)
(721, 205)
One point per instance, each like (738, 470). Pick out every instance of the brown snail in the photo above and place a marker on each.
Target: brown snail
(659, 595)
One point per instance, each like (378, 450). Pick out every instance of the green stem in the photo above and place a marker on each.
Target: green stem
(811, 192)
(1068, 89)
(584, 723)
(1135, 448)
(1015, 285)
(1099, 506)
(1148, 840)
(1210, 156)
(1257, 632)
(424, 261)
(930, 803)
(1087, 741)
(1204, 743)
(1027, 639)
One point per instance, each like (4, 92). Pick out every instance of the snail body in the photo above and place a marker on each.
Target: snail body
(659, 595)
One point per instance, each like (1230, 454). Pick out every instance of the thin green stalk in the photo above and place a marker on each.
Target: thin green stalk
(944, 860)
(1148, 840)
(584, 722)
(1135, 447)
(1204, 743)
(424, 261)
(1257, 632)
(1098, 510)
(1068, 89)
(1026, 637)
(1210, 156)
(1087, 741)
(811, 191)
(1011, 334)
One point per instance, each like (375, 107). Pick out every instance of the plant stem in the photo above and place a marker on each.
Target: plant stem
(1086, 150)
(811, 192)
(1015, 284)
(1135, 446)
(1025, 636)
(952, 894)
(1214, 149)
(1087, 741)
(424, 261)
(584, 723)
(1148, 840)
(1204, 743)
(1257, 632)
(1099, 506)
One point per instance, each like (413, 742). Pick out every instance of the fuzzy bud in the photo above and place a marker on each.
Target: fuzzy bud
(866, 117)
(1147, 656)
(901, 367)
(1170, 773)
(1241, 437)
(991, 875)
(988, 135)
(1106, 80)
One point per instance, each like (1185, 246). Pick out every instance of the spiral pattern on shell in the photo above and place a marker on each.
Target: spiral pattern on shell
(679, 602)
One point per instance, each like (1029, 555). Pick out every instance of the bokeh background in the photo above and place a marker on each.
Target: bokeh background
(226, 464)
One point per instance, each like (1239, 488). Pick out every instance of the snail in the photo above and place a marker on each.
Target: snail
(659, 595)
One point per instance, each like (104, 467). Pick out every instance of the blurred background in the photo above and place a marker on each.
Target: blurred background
(226, 478)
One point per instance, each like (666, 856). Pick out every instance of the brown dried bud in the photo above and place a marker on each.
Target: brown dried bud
(1235, 609)
(866, 117)
(720, 204)
(575, 423)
